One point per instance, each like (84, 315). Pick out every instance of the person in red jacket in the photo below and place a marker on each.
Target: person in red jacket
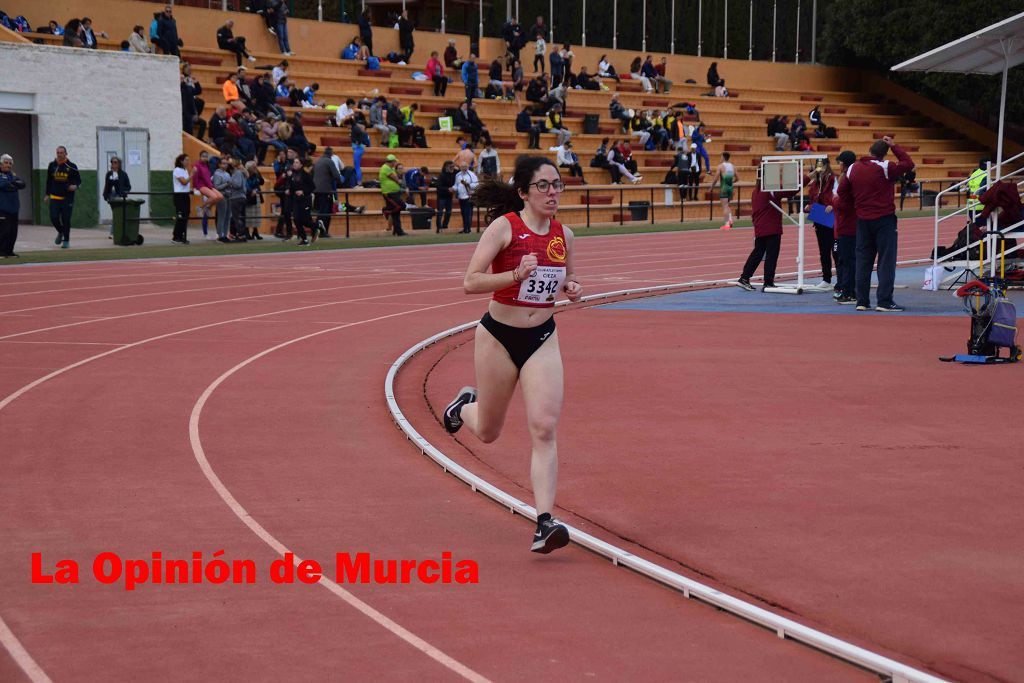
(764, 207)
(1003, 199)
(845, 232)
(820, 189)
(871, 180)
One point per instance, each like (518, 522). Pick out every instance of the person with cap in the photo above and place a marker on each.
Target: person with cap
(10, 205)
(871, 180)
(391, 189)
(326, 178)
(845, 233)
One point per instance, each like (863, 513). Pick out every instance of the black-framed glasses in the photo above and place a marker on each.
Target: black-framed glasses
(545, 185)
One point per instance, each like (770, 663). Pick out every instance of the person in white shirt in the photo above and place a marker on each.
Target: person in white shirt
(465, 182)
(280, 71)
(567, 159)
(138, 42)
(182, 185)
(541, 49)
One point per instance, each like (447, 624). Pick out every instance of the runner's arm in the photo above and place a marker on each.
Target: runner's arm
(496, 237)
(573, 288)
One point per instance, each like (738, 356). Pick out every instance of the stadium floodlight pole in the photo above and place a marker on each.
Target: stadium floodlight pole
(508, 9)
(551, 18)
(643, 41)
(615, 24)
(583, 37)
(700, 25)
(775, 24)
(725, 32)
(480, 42)
(796, 55)
(672, 42)
(814, 30)
(442, 15)
(750, 35)
(320, 10)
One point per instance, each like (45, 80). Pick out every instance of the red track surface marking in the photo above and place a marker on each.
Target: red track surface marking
(99, 460)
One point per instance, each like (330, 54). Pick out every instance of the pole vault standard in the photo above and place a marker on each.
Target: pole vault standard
(785, 173)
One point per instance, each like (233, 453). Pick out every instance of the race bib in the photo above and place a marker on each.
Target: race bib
(542, 286)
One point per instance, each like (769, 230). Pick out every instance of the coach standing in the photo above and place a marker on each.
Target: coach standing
(10, 185)
(62, 180)
(871, 182)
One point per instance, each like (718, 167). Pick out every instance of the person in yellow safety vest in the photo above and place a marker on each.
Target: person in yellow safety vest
(976, 186)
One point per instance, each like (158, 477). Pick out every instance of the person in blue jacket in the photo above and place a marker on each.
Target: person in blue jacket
(470, 77)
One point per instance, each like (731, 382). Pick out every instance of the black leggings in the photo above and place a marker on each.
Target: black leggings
(538, 59)
(182, 208)
(826, 250)
(766, 248)
(520, 342)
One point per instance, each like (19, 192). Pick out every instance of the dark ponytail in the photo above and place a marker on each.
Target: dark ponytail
(500, 197)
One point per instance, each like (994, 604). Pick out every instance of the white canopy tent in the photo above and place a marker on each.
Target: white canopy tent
(995, 49)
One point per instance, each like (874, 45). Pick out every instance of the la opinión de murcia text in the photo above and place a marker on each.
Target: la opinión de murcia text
(109, 568)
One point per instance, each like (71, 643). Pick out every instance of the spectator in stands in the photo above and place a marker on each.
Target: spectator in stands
(298, 140)
(378, 112)
(73, 34)
(466, 120)
(557, 66)
(326, 179)
(661, 84)
(540, 50)
(414, 135)
(845, 233)
(627, 156)
(264, 98)
(525, 124)
(62, 181)
(435, 72)
(281, 17)
(53, 28)
(512, 34)
(778, 128)
(639, 127)
(309, 97)
(154, 35)
(231, 94)
(253, 199)
(226, 40)
(721, 90)
(416, 183)
(244, 90)
(260, 7)
(714, 80)
(557, 125)
(618, 112)
(700, 139)
(445, 183)
(518, 80)
(391, 189)
(797, 131)
(182, 187)
(470, 77)
(871, 182)
(537, 92)
(538, 30)
(600, 160)
(10, 206)
(567, 158)
(88, 36)
(451, 56)
(620, 157)
(687, 168)
(584, 81)
(490, 164)
(605, 69)
(189, 114)
(268, 137)
(137, 41)
(767, 236)
(465, 183)
(167, 32)
(814, 116)
(366, 30)
(567, 56)
(280, 71)
(464, 155)
(347, 114)
(405, 36)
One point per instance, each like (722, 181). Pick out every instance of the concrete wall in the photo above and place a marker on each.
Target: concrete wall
(70, 92)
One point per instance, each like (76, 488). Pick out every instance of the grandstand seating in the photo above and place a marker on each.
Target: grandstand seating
(736, 124)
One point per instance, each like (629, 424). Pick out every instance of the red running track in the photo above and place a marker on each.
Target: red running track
(107, 364)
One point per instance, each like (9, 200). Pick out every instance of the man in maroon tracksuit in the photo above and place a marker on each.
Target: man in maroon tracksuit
(845, 232)
(871, 180)
(1003, 199)
(767, 236)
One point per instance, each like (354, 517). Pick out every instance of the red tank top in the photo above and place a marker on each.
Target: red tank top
(541, 289)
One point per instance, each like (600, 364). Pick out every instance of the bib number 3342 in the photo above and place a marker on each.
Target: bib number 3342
(543, 285)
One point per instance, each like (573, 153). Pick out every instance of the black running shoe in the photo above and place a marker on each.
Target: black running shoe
(846, 300)
(453, 413)
(744, 283)
(891, 308)
(550, 535)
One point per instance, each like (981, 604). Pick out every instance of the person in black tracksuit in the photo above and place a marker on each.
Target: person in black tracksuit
(445, 183)
(300, 188)
(62, 180)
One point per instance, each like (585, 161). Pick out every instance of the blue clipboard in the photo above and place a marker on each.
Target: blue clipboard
(819, 216)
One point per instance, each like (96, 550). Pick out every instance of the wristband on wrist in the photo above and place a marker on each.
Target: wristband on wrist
(515, 275)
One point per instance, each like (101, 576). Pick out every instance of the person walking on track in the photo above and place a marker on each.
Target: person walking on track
(525, 257)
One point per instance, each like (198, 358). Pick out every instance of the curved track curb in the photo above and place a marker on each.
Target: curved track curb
(783, 627)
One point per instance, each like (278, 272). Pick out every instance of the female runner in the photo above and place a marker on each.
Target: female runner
(529, 257)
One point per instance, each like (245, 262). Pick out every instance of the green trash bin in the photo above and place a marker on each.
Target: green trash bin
(126, 221)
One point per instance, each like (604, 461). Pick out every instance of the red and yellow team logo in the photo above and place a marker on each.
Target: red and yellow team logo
(556, 250)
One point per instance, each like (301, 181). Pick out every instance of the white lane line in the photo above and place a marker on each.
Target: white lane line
(21, 656)
(73, 343)
(783, 627)
(217, 302)
(265, 536)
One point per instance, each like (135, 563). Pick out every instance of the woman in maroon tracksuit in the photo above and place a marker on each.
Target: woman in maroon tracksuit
(767, 235)
(845, 234)
(820, 190)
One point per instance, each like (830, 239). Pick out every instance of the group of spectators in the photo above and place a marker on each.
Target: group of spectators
(794, 135)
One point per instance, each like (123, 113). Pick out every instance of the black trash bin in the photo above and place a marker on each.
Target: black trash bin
(421, 217)
(928, 198)
(638, 210)
(126, 221)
